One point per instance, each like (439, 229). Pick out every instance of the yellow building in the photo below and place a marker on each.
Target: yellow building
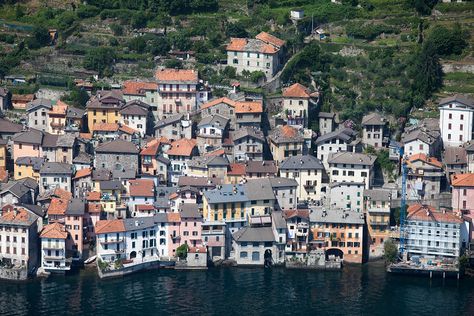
(237, 202)
(28, 167)
(286, 141)
(3, 154)
(104, 107)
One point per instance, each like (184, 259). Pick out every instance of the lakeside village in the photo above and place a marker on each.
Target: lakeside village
(161, 174)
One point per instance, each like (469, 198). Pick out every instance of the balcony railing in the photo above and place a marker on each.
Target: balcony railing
(111, 241)
(53, 246)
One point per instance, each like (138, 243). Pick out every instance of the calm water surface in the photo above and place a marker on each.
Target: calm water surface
(365, 290)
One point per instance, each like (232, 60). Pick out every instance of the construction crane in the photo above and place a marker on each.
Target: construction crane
(403, 203)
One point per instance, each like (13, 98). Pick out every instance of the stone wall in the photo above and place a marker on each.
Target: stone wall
(16, 274)
(112, 161)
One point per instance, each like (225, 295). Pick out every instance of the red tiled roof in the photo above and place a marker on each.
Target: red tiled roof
(173, 75)
(268, 38)
(54, 230)
(236, 169)
(217, 152)
(144, 207)
(127, 129)
(197, 250)
(182, 147)
(174, 217)
(142, 187)
(237, 44)
(85, 135)
(296, 91)
(22, 216)
(105, 127)
(249, 107)
(296, 213)
(86, 172)
(173, 195)
(93, 196)
(462, 180)
(94, 208)
(218, 101)
(428, 213)
(109, 226)
(138, 87)
(151, 148)
(62, 194)
(58, 206)
(429, 160)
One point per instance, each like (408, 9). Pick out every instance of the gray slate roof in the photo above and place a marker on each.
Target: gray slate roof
(278, 220)
(76, 207)
(35, 162)
(9, 127)
(301, 162)
(374, 118)
(169, 120)
(74, 112)
(139, 223)
(189, 210)
(124, 174)
(32, 136)
(280, 182)
(460, 98)
(420, 133)
(17, 188)
(66, 140)
(101, 175)
(51, 168)
(378, 194)
(208, 161)
(37, 103)
(455, 156)
(50, 140)
(82, 158)
(111, 185)
(254, 234)
(326, 115)
(215, 120)
(320, 215)
(118, 146)
(264, 166)
(351, 158)
(248, 131)
(345, 134)
(134, 109)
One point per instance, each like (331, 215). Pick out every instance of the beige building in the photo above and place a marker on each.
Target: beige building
(307, 170)
(286, 141)
(296, 104)
(374, 131)
(264, 53)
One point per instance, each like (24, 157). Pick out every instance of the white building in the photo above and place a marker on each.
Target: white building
(264, 53)
(432, 233)
(296, 100)
(53, 248)
(343, 139)
(38, 114)
(346, 195)
(135, 115)
(351, 167)
(250, 244)
(18, 238)
(56, 175)
(456, 119)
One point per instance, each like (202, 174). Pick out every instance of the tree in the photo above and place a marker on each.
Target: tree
(77, 96)
(40, 37)
(236, 30)
(428, 73)
(390, 251)
(256, 76)
(117, 29)
(446, 41)
(100, 59)
(230, 72)
(159, 46)
(174, 63)
(182, 251)
(137, 44)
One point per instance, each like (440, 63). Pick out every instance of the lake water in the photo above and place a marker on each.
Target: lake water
(357, 290)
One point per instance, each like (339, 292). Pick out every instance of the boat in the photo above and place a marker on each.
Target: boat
(90, 260)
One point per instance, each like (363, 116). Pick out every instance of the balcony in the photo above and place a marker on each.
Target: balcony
(54, 246)
(57, 125)
(177, 100)
(111, 241)
(54, 257)
(175, 238)
(309, 187)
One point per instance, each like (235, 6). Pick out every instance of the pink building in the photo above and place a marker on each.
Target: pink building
(91, 217)
(191, 225)
(27, 144)
(174, 236)
(463, 193)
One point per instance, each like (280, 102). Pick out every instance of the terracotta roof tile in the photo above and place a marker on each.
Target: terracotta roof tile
(127, 129)
(296, 90)
(109, 226)
(428, 213)
(177, 75)
(58, 206)
(94, 208)
(217, 152)
(462, 180)
(59, 108)
(86, 172)
(236, 169)
(237, 44)
(105, 127)
(138, 87)
(429, 160)
(21, 216)
(268, 38)
(151, 148)
(182, 147)
(54, 230)
(93, 196)
(218, 101)
(174, 217)
(62, 194)
(249, 107)
(142, 187)
(85, 135)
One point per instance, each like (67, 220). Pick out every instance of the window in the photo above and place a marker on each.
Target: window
(244, 254)
(255, 256)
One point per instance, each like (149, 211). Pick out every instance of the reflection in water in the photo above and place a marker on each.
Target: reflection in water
(357, 290)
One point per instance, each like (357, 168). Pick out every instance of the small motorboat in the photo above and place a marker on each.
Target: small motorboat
(90, 260)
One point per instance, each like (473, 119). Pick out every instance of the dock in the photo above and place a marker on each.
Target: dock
(444, 271)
